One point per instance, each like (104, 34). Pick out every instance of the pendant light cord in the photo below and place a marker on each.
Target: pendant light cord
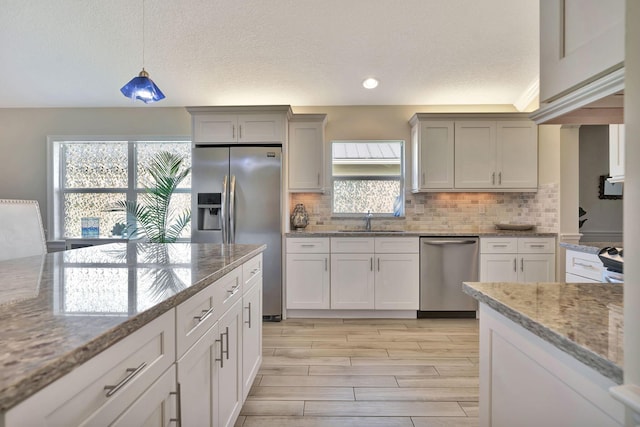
(143, 34)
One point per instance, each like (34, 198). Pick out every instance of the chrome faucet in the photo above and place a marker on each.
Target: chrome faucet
(367, 220)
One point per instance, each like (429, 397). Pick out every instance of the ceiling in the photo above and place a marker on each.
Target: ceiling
(78, 53)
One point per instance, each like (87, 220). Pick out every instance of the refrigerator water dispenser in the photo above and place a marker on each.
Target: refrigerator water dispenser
(209, 205)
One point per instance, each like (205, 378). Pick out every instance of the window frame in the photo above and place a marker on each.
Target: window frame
(400, 178)
(55, 174)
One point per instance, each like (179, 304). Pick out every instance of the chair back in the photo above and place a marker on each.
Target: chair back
(21, 232)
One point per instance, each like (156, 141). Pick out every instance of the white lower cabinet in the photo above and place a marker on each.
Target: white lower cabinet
(139, 382)
(353, 273)
(517, 259)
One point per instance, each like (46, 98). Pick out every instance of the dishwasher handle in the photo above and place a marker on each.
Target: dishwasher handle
(449, 242)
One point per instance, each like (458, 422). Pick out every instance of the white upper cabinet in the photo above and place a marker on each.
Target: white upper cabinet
(580, 41)
(432, 146)
(474, 152)
(306, 153)
(616, 153)
(240, 125)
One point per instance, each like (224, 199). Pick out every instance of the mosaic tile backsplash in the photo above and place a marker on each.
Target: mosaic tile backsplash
(448, 211)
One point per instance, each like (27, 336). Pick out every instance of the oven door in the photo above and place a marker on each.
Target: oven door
(609, 276)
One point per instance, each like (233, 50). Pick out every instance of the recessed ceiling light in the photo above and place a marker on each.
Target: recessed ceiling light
(370, 83)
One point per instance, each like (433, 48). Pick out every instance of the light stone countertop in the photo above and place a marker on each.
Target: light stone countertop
(577, 318)
(589, 247)
(61, 309)
(416, 233)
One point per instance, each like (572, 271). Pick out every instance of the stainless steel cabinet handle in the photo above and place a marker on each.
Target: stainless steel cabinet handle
(500, 178)
(515, 266)
(493, 178)
(499, 246)
(178, 419)
(326, 264)
(112, 389)
(248, 322)
(521, 264)
(307, 245)
(240, 132)
(423, 179)
(581, 264)
(371, 263)
(537, 246)
(378, 264)
(318, 178)
(226, 334)
(204, 315)
(233, 131)
(221, 360)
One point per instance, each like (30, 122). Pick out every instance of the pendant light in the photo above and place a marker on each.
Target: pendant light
(142, 87)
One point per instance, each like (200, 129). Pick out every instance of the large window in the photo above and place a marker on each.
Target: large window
(368, 176)
(87, 176)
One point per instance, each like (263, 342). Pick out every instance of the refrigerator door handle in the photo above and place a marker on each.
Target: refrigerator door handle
(223, 210)
(232, 210)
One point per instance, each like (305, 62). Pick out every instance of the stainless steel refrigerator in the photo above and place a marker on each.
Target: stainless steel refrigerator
(237, 199)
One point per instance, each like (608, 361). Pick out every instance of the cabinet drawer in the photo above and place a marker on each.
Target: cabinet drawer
(499, 245)
(310, 245)
(195, 316)
(584, 265)
(251, 273)
(352, 245)
(397, 245)
(536, 245)
(228, 290)
(130, 366)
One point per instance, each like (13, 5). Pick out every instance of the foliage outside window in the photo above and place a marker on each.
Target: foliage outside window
(89, 176)
(368, 176)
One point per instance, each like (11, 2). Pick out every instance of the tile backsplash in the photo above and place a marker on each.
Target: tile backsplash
(448, 211)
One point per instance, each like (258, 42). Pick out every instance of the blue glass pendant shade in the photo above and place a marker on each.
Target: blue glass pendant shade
(142, 88)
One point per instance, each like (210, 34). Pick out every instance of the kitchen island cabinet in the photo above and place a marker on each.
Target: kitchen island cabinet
(549, 352)
(107, 354)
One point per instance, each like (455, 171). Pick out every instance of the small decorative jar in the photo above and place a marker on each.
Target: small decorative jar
(299, 217)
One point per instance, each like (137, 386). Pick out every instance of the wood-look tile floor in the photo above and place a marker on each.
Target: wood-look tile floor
(366, 373)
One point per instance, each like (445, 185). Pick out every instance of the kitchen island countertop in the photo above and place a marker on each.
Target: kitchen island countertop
(59, 310)
(583, 320)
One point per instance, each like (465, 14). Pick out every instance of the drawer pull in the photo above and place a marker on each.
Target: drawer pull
(537, 246)
(515, 266)
(112, 389)
(499, 246)
(521, 264)
(589, 266)
(255, 271)
(248, 321)
(204, 315)
(307, 245)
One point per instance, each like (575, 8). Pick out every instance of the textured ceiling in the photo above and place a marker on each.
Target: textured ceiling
(78, 53)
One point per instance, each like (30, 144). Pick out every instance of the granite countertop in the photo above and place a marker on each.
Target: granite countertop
(577, 318)
(416, 233)
(589, 247)
(61, 309)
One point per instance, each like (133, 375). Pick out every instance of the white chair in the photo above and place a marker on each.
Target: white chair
(21, 232)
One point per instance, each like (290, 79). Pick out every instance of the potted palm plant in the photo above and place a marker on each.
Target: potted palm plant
(151, 216)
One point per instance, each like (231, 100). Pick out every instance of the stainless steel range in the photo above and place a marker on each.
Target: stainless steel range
(613, 261)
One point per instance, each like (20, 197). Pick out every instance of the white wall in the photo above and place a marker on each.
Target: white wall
(23, 139)
(604, 222)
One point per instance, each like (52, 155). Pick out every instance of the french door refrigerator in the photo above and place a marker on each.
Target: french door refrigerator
(237, 199)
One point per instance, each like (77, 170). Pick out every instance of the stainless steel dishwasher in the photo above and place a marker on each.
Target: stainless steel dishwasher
(446, 262)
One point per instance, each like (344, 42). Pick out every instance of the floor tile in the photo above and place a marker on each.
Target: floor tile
(307, 421)
(373, 370)
(383, 409)
(444, 422)
(273, 407)
(440, 394)
(330, 381)
(302, 393)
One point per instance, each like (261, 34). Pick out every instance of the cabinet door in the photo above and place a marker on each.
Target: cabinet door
(215, 128)
(397, 281)
(260, 128)
(230, 368)
(616, 153)
(307, 281)
(435, 156)
(517, 150)
(306, 156)
(352, 281)
(155, 407)
(475, 154)
(251, 336)
(498, 268)
(198, 379)
(536, 268)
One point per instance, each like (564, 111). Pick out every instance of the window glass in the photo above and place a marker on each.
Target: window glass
(368, 176)
(145, 150)
(95, 164)
(96, 205)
